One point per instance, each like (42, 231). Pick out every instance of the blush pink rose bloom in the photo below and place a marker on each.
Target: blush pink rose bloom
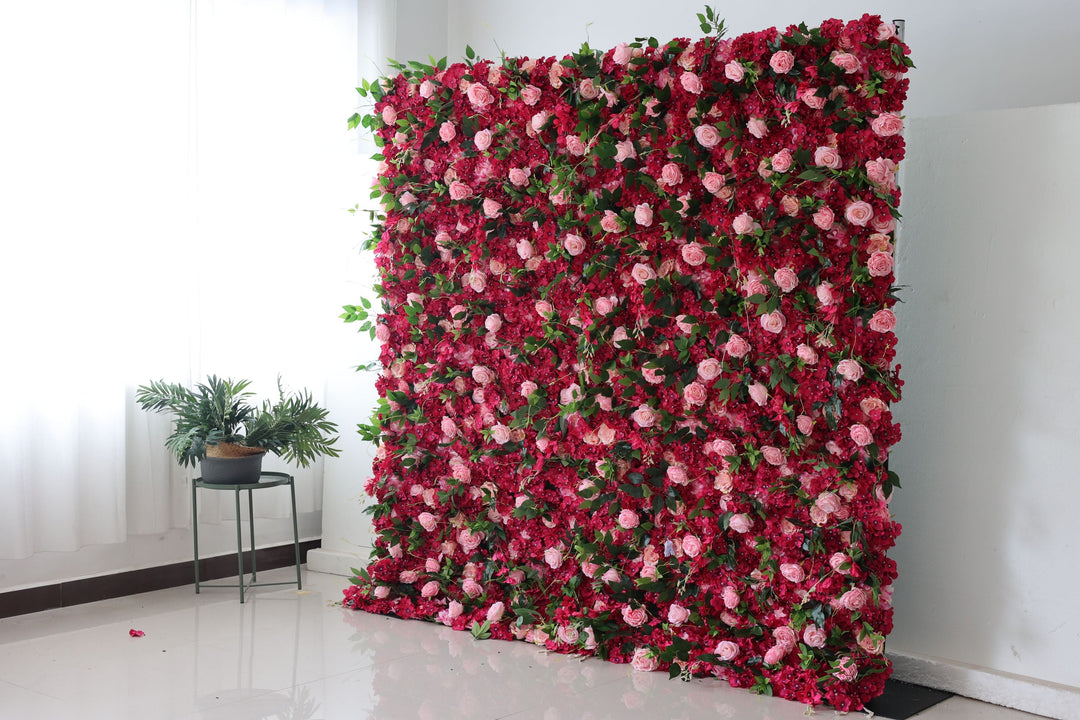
(500, 434)
(482, 374)
(427, 521)
(824, 217)
(677, 475)
(861, 435)
(470, 540)
(707, 135)
(611, 222)
(811, 99)
(430, 589)
(691, 545)
(792, 572)
(773, 322)
(729, 594)
(880, 264)
(492, 208)
(824, 293)
(530, 95)
(870, 404)
(621, 54)
(408, 576)
(759, 393)
(495, 612)
(643, 214)
(553, 557)
(850, 369)
(518, 177)
(713, 182)
(741, 523)
(482, 139)
(544, 309)
(805, 424)
(789, 205)
(479, 95)
(644, 416)
(634, 617)
(858, 213)
(806, 353)
(610, 575)
(826, 156)
(459, 190)
(642, 273)
(606, 434)
(449, 427)
(691, 83)
(644, 660)
(814, 636)
(782, 161)
(786, 279)
(628, 519)
(853, 600)
(574, 244)
(742, 224)
(846, 61)
(693, 254)
(382, 592)
(447, 131)
(528, 388)
(389, 115)
(828, 502)
(782, 62)
(887, 124)
(883, 223)
(587, 89)
(726, 650)
(773, 455)
(574, 145)
(883, 321)
(785, 637)
(709, 368)
(736, 347)
(840, 563)
(734, 71)
(493, 322)
(624, 150)
(524, 249)
(757, 127)
(677, 615)
(695, 394)
(774, 654)
(472, 588)
(670, 174)
(539, 120)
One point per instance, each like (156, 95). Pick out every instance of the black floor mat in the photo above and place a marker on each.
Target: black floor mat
(902, 700)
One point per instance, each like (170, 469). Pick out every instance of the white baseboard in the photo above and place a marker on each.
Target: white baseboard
(999, 688)
(334, 562)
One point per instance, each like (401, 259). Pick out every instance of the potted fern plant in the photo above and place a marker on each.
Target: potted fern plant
(218, 426)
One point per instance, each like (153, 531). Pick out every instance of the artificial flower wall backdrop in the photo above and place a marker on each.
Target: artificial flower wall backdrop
(637, 332)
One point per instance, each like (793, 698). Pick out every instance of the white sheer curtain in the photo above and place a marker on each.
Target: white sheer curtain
(173, 183)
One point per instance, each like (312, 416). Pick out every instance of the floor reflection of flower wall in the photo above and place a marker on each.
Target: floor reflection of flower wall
(638, 351)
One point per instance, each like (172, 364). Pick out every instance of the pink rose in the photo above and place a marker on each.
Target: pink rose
(774, 654)
(881, 172)
(644, 660)
(691, 545)
(482, 139)
(814, 636)
(792, 572)
(495, 612)
(709, 368)
(782, 161)
(840, 563)
(528, 388)
(805, 424)
(642, 273)
(825, 294)
(878, 242)
(828, 157)
(806, 353)
(786, 279)
(785, 636)
(449, 427)
(887, 124)
(811, 99)
(472, 588)
(524, 249)
(634, 617)
(850, 369)
(382, 592)
(530, 95)
(621, 54)
(493, 322)
(677, 614)
(459, 190)
(568, 634)
(470, 540)
(853, 600)
(628, 519)
(500, 434)
(707, 135)
(544, 309)
(743, 224)
(691, 83)
(454, 610)
(736, 347)
(757, 127)
(759, 393)
(610, 575)
(740, 523)
(624, 150)
(773, 455)
(782, 62)
(734, 71)
(828, 502)
(553, 557)
(730, 596)
(518, 177)
(539, 120)
(482, 374)
(643, 215)
(824, 217)
(713, 182)
(883, 223)
(447, 131)
(479, 95)
(861, 435)
(789, 205)
(611, 222)
(606, 434)
(427, 521)
(695, 394)
(389, 115)
(880, 264)
(570, 394)
(726, 650)
(587, 89)
(430, 589)
(846, 61)
(773, 322)
(408, 576)
(872, 643)
(492, 208)
(858, 213)
(693, 254)
(670, 174)
(871, 404)
(677, 475)
(574, 244)
(883, 321)
(644, 416)
(574, 145)
(382, 333)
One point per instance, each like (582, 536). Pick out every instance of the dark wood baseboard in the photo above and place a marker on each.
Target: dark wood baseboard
(77, 592)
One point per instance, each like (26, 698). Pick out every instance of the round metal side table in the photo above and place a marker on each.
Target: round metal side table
(266, 480)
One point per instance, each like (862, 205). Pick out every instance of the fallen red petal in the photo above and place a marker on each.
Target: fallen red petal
(135, 633)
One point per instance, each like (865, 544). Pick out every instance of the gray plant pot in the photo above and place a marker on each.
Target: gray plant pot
(232, 471)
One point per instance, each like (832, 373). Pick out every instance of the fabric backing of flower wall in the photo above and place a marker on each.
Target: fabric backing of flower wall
(638, 350)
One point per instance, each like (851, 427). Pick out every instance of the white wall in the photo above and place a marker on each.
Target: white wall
(986, 601)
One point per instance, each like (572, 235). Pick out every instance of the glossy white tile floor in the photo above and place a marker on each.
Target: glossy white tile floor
(288, 654)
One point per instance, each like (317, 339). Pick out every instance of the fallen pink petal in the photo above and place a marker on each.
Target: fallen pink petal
(136, 633)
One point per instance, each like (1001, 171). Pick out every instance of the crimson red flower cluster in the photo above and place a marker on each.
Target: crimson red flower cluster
(638, 348)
